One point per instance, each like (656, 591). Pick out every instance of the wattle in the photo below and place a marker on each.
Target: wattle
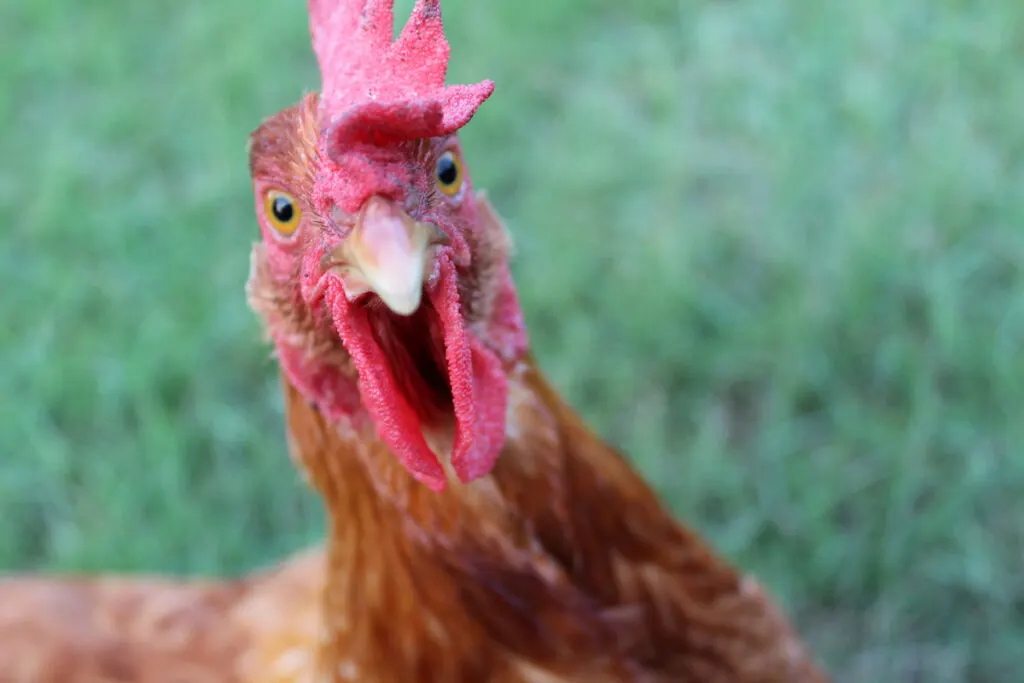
(400, 405)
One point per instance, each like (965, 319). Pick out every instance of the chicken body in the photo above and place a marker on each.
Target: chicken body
(154, 629)
(560, 565)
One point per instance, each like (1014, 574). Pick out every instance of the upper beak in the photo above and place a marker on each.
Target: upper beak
(387, 253)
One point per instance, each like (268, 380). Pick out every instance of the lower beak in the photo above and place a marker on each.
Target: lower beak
(387, 253)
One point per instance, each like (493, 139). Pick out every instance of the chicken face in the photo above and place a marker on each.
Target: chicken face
(371, 227)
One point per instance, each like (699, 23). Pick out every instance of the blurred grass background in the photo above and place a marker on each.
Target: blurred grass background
(773, 249)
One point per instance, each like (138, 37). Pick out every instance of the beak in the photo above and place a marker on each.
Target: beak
(387, 253)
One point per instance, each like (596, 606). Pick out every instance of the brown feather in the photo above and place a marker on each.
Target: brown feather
(70, 629)
(435, 587)
(561, 565)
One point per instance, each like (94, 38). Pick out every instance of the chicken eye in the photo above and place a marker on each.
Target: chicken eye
(282, 211)
(449, 174)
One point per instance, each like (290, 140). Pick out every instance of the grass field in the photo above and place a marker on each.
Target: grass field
(772, 249)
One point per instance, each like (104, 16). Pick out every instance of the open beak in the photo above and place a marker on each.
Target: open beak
(387, 253)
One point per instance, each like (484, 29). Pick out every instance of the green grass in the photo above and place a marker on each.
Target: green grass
(774, 251)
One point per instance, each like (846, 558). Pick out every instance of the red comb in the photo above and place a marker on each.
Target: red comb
(373, 83)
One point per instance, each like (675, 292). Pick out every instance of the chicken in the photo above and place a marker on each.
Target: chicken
(479, 531)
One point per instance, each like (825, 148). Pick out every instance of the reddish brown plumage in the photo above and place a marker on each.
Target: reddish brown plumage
(560, 565)
(150, 629)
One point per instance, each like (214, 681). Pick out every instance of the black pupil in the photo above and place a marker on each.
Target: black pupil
(447, 172)
(283, 210)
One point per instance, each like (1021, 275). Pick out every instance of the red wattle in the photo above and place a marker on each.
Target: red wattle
(479, 387)
(395, 419)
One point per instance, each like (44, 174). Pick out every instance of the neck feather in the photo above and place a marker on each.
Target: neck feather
(422, 567)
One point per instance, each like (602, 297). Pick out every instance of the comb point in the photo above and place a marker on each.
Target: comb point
(361, 62)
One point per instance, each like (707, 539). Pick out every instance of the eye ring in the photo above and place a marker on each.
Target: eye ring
(448, 173)
(282, 212)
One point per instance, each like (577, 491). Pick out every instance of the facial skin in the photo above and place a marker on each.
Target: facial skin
(376, 248)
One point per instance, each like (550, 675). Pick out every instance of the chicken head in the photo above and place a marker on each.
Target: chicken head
(382, 276)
